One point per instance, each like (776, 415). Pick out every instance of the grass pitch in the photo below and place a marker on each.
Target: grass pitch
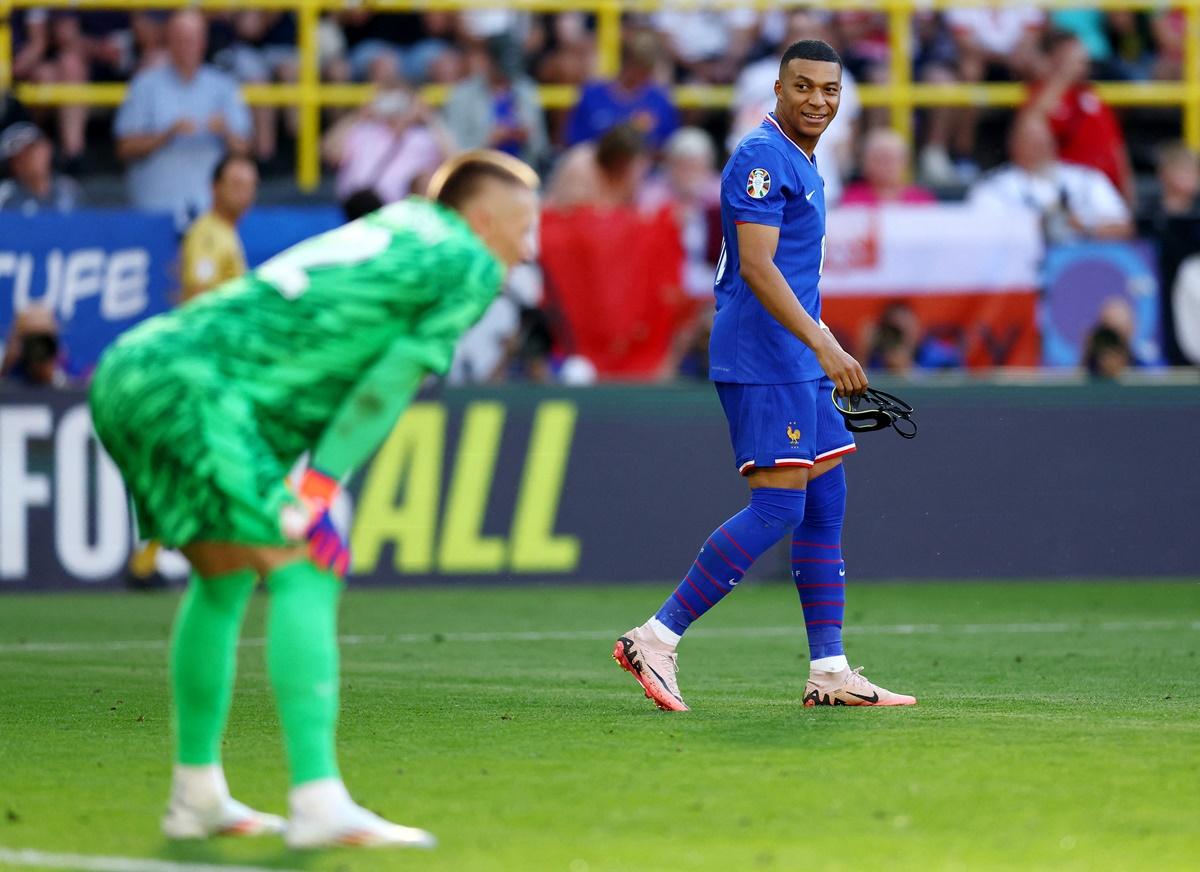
(1058, 727)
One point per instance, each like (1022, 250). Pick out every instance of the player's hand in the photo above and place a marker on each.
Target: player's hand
(216, 124)
(843, 370)
(327, 548)
(182, 127)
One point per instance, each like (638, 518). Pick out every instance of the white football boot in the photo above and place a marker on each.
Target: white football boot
(200, 806)
(324, 815)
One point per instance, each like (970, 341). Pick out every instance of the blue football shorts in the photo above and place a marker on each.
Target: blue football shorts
(783, 425)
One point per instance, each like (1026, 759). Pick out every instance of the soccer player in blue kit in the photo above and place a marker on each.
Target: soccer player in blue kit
(775, 365)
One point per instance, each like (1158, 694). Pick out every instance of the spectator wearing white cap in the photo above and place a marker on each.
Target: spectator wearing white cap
(34, 186)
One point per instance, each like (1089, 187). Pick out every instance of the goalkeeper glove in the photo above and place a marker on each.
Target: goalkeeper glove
(310, 520)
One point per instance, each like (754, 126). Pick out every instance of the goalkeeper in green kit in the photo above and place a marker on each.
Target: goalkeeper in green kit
(206, 408)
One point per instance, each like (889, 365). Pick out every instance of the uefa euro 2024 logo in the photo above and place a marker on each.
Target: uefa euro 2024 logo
(758, 184)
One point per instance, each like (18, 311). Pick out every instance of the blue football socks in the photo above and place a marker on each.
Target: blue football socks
(728, 553)
(817, 565)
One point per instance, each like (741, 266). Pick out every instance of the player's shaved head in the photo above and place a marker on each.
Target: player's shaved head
(462, 177)
(497, 196)
(809, 50)
(808, 91)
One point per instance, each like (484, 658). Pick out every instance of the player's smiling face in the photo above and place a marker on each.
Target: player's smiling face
(808, 93)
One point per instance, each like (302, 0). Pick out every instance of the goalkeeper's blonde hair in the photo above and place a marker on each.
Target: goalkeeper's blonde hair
(463, 171)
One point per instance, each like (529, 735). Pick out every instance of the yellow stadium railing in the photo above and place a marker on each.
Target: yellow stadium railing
(901, 95)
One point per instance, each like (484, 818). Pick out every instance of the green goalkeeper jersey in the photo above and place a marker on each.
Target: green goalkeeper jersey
(330, 339)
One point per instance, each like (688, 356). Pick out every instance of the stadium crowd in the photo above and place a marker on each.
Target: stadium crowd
(631, 231)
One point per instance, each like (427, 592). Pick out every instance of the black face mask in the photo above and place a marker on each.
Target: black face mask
(38, 348)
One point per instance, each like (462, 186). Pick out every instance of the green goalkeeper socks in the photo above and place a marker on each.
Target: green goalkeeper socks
(302, 660)
(204, 662)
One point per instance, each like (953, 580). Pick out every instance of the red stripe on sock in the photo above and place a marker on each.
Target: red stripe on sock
(822, 603)
(814, 544)
(685, 604)
(815, 623)
(716, 584)
(816, 560)
(726, 559)
(839, 584)
(697, 590)
(735, 544)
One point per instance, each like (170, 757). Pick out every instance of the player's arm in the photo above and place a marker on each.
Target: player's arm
(370, 412)
(756, 248)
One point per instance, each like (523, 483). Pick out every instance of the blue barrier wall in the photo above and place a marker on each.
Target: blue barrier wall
(622, 484)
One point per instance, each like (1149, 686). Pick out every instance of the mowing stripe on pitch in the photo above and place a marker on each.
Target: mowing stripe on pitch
(591, 635)
(86, 863)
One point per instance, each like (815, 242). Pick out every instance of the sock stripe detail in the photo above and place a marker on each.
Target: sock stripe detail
(806, 586)
(732, 565)
(716, 584)
(686, 605)
(822, 603)
(735, 544)
(692, 585)
(819, 623)
(816, 560)
(815, 544)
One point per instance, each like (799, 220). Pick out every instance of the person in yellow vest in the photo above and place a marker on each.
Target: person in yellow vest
(211, 254)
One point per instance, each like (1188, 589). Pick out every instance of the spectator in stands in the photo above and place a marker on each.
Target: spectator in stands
(1107, 355)
(606, 174)
(1072, 202)
(1179, 181)
(690, 185)
(11, 109)
(566, 51)
(707, 45)
(263, 51)
(992, 44)
(898, 345)
(499, 108)
(1085, 129)
(754, 97)
(885, 174)
(149, 34)
(613, 267)
(1169, 27)
(32, 352)
(34, 185)
(634, 97)
(385, 48)
(50, 50)
(390, 147)
(1172, 220)
(211, 252)
(177, 121)
(1131, 36)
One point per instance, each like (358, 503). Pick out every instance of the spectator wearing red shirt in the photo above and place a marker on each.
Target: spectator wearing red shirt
(1085, 129)
(885, 174)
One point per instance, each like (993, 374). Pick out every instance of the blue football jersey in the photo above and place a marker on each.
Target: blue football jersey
(768, 180)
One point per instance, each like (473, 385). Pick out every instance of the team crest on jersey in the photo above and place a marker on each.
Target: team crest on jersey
(793, 433)
(759, 183)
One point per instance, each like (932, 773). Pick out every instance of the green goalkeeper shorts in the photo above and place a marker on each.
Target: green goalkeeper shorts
(188, 447)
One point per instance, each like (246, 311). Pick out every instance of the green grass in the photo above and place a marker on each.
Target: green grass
(1033, 747)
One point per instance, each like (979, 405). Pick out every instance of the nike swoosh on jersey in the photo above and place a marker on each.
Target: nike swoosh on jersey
(809, 195)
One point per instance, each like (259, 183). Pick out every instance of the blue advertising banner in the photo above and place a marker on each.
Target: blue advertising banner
(1080, 280)
(100, 272)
